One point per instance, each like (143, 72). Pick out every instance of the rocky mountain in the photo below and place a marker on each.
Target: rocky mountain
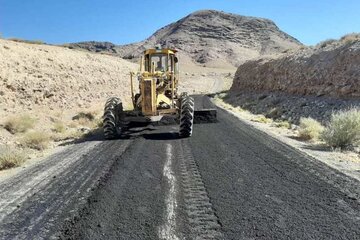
(212, 38)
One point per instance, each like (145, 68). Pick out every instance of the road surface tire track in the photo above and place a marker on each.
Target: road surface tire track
(264, 189)
(129, 204)
(202, 221)
(59, 192)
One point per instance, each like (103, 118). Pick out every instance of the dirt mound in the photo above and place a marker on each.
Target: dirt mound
(213, 38)
(58, 78)
(332, 68)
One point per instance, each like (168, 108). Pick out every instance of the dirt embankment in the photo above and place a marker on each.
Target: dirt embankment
(332, 68)
(37, 76)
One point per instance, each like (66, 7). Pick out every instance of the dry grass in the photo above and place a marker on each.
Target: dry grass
(99, 123)
(344, 129)
(325, 43)
(349, 38)
(85, 119)
(84, 115)
(274, 113)
(27, 41)
(35, 140)
(19, 124)
(282, 124)
(10, 158)
(218, 99)
(261, 119)
(310, 129)
(73, 124)
(59, 127)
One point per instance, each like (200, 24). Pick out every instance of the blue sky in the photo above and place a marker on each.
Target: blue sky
(61, 21)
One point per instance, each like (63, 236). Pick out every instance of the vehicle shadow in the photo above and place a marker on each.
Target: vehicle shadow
(162, 136)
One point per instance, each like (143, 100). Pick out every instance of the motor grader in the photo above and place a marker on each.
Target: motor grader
(157, 97)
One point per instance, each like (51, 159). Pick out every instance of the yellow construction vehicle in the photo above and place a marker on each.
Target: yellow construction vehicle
(158, 96)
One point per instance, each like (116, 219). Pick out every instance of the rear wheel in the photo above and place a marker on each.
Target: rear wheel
(112, 112)
(186, 116)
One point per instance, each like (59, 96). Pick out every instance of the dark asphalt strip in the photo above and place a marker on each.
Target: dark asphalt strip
(130, 202)
(261, 189)
(39, 215)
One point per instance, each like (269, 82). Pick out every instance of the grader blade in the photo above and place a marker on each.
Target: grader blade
(205, 116)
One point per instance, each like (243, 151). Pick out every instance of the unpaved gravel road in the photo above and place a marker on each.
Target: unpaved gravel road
(228, 181)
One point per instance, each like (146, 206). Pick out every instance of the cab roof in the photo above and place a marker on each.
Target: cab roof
(162, 50)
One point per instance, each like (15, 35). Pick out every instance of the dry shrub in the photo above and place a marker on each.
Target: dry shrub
(349, 38)
(19, 124)
(82, 115)
(344, 129)
(36, 140)
(282, 124)
(27, 41)
(261, 119)
(59, 127)
(73, 125)
(310, 129)
(325, 43)
(10, 158)
(99, 123)
(87, 119)
(274, 113)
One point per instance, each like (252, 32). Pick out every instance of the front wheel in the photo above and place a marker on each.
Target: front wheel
(186, 116)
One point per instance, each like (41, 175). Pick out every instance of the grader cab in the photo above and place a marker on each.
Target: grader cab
(157, 97)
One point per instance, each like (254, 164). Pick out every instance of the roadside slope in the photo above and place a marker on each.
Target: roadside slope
(332, 68)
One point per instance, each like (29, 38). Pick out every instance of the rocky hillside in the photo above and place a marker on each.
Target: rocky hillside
(332, 68)
(212, 38)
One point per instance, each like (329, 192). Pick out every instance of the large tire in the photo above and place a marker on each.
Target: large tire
(113, 109)
(186, 116)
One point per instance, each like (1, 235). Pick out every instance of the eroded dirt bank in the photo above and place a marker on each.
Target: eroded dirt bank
(331, 68)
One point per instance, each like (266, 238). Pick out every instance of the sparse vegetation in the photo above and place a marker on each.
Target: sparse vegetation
(344, 129)
(349, 38)
(87, 119)
(325, 43)
(27, 41)
(274, 113)
(19, 124)
(99, 123)
(310, 129)
(261, 119)
(35, 140)
(82, 115)
(59, 127)
(282, 124)
(10, 158)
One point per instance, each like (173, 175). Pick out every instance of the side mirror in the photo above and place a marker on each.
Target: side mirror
(176, 59)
